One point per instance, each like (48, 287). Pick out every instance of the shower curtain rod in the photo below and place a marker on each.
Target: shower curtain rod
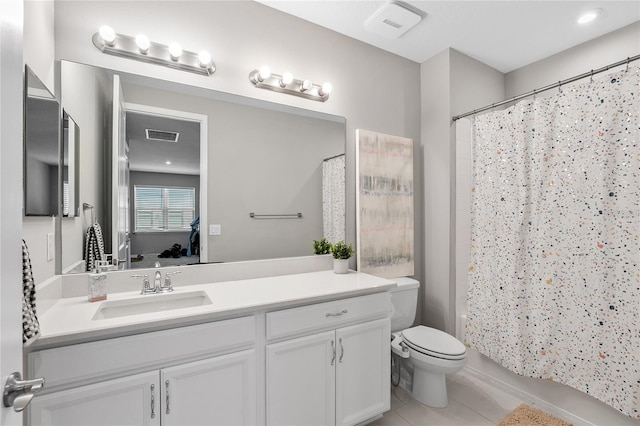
(549, 87)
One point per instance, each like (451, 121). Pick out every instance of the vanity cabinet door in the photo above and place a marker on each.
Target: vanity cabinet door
(362, 371)
(301, 381)
(133, 400)
(215, 391)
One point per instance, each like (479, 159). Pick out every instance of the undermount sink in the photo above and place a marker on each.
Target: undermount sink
(151, 303)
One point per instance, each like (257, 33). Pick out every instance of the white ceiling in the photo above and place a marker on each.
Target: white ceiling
(505, 35)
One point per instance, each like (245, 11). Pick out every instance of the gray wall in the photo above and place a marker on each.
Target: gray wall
(157, 242)
(451, 83)
(85, 96)
(241, 37)
(597, 53)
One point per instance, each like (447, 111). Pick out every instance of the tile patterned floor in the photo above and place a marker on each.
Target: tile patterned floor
(472, 402)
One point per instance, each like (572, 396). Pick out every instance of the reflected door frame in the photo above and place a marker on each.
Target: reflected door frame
(202, 120)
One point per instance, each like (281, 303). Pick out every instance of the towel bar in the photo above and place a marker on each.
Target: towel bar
(276, 216)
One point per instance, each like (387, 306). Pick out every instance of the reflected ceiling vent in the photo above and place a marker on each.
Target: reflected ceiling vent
(161, 135)
(393, 20)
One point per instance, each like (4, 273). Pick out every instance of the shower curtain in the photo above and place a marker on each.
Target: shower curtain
(554, 277)
(333, 198)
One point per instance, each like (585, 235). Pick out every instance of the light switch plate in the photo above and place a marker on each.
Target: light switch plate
(51, 246)
(215, 229)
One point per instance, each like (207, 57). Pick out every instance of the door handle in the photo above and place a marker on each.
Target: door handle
(18, 393)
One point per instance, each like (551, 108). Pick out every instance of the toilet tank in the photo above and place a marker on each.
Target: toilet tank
(404, 299)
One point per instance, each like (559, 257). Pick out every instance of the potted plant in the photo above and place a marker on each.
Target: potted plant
(341, 253)
(321, 246)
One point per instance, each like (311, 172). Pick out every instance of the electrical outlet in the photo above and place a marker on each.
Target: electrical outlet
(51, 246)
(215, 229)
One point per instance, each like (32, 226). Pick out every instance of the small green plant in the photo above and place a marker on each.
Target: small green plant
(341, 250)
(321, 246)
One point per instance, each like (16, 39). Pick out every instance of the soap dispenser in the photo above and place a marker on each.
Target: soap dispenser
(97, 285)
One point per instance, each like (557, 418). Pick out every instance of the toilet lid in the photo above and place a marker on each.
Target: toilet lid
(434, 342)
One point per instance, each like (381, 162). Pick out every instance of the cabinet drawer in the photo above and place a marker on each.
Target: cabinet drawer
(84, 363)
(307, 319)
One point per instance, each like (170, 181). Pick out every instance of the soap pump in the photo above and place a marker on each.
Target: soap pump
(98, 284)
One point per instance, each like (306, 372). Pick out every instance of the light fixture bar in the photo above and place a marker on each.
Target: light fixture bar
(292, 86)
(156, 53)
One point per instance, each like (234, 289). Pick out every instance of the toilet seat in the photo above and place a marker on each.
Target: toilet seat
(433, 342)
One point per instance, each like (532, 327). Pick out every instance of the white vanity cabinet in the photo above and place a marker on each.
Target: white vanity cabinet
(128, 401)
(299, 349)
(217, 391)
(337, 371)
(147, 379)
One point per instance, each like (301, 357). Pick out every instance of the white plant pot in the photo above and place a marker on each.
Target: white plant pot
(340, 266)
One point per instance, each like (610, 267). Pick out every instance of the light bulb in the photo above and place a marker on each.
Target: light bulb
(107, 34)
(287, 78)
(205, 58)
(326, 89)
(175, 51)
(306, 85)
(143, 43)
(264, 73)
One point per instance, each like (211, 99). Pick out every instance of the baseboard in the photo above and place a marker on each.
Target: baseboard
(542, 404)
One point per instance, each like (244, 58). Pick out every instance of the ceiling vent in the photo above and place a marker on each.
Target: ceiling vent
(392, 20)
(161, 135)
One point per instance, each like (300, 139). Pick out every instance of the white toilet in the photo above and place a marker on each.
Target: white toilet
(429, 352)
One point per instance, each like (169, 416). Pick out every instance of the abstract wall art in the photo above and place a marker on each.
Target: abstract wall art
(384, 204)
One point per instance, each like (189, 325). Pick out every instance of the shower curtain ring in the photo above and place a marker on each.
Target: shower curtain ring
(591, 79)
(628, 60)
(560, 86)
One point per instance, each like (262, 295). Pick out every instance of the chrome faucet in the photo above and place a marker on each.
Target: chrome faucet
(158, 285)
(157, 281)
(146, 286)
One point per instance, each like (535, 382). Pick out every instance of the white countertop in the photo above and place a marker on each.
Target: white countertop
(70, 320)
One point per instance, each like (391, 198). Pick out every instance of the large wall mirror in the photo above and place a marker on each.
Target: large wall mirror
(206, 176)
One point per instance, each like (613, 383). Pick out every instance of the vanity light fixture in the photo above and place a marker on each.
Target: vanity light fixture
(107, 34)
(143, 49)
(263, 78)
(175, 51)
(143, 43)
(287, 78)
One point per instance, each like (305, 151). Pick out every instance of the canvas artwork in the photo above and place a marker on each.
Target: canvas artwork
(384, 204)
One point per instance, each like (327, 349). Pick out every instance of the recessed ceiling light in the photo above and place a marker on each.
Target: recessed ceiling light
(589, 16)
(167, 163)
